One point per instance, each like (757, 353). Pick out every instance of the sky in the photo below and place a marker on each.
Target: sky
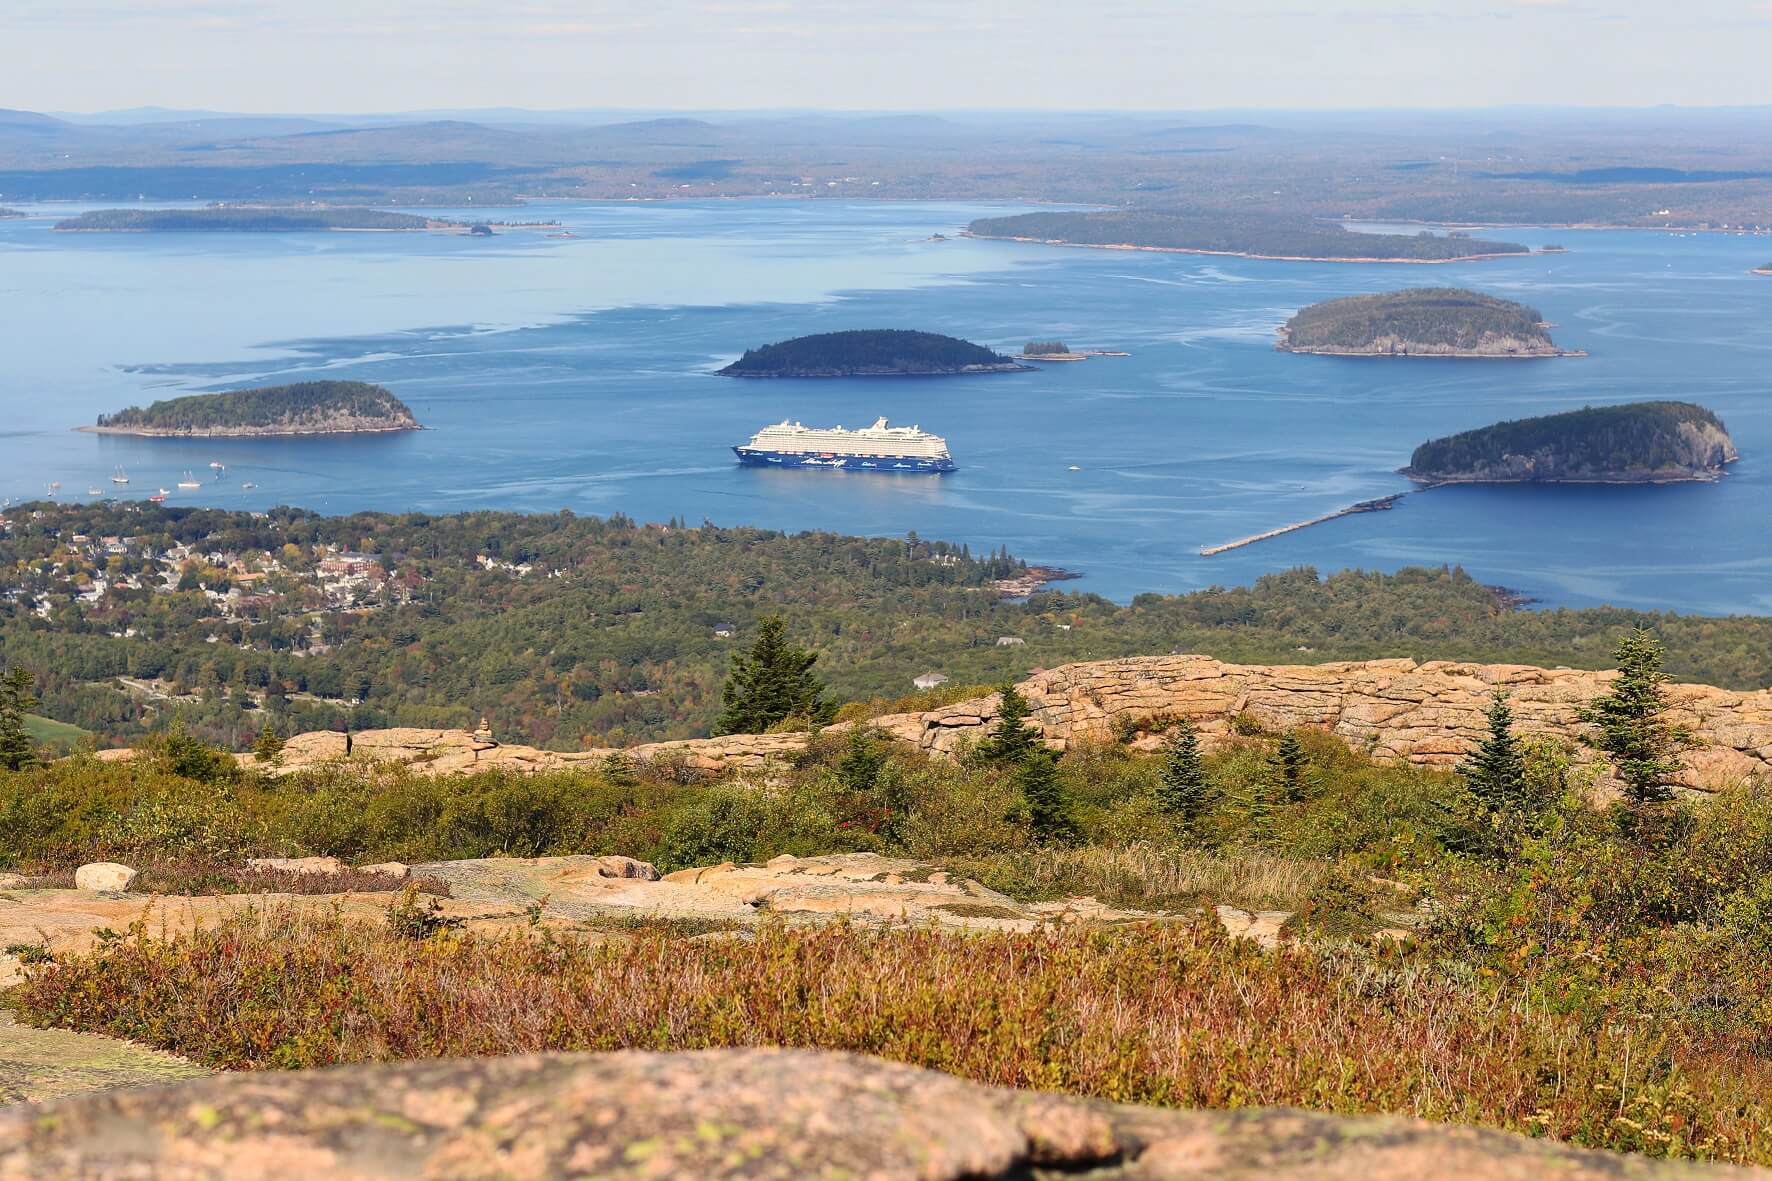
(304, 56)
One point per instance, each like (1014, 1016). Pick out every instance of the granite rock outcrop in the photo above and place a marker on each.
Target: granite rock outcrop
(753, 1113)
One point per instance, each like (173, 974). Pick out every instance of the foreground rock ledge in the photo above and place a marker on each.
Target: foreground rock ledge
(727, 1114)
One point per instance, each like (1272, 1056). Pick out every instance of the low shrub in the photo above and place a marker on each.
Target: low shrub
(1174, 1014)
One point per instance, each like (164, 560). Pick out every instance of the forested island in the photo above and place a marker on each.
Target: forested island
(6, 213)
(1420, 322)
(305, 408)
(258, 219)
(1638, 443)
(1250, 236)
(870, 353)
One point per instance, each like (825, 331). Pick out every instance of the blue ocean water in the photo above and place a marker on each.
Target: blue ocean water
(577, 373)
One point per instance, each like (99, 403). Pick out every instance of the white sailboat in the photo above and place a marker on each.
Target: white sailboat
(190, 481)
(120, 478)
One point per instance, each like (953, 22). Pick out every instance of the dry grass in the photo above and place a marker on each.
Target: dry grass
(1175, 1014)
(1150, 877)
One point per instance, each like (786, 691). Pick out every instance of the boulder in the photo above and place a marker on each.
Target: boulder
(318, 865)
(103, 876)
(627, 867)
(398, 870)
(753, 1114)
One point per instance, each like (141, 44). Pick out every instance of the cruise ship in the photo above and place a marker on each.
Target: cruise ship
(877, 448)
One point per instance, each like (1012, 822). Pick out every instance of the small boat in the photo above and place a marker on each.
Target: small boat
(1075, 468)
(158, 497)
(94, 492)
(248, 486)
(218, 465)
(190, 481)
(50, 491)
(120, 477)
(55, 485)
(163, 494)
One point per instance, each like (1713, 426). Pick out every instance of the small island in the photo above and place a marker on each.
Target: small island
(6, 213)
(870, 353)
(306, 408)
(273, 219)
(1420, 322)
(1637, 443)
(1246, 236)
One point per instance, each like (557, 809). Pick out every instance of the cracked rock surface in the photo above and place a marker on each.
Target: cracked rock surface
(763, 1114)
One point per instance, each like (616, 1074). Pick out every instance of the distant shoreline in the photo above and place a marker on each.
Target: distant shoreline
(243, 432)
(1708, 476)
(1244, 253)
(807, 374)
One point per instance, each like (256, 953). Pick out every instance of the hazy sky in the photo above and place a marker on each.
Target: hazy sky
(379, 55)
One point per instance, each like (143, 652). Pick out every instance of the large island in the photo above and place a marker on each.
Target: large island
(1420, 322)
(307, 408)
(1638, 443)
(870, 353)
(1246, 235)
(263, 219)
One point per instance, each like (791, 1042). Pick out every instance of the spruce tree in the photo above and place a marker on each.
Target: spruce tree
(770, 683)
(1049, 810)
(1013, 738)
(1630, 725)
(1495, 774)
(1289, 763)
(1183, 791)
(17, 751)
(268, 747)
(860, 765)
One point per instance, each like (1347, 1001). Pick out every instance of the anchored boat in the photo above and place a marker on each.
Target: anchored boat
(878, 448)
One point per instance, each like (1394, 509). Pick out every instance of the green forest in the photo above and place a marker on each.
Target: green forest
(1595, 442)
(295, 407)
(1428, 319)
(868, 353)
(570, 631)
(245, 218)
(1232, 233)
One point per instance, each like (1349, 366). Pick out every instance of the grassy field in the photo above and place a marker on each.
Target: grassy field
(49, 732)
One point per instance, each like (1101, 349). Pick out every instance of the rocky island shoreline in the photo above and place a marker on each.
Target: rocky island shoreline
(1444, 322)
(305, 408)
(1638, 443)
(871, 353)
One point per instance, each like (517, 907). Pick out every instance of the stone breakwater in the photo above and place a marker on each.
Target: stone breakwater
(1429, 714)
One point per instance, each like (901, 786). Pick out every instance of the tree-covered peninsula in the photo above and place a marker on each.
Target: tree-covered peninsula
(1638, 443)
(6, 213)
(871, 353)
(245, 219)
(1420, 322)
(306, 408)
(1250, 235)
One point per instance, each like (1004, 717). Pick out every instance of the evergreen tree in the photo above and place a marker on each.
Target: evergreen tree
(1049, 810)
(1289, 762)
(1631, 728)
(770, 683)
(269, 746)
(860, 765)
(1495, 774)
(618, 770)
(1183, 791)
(1013, 739)
(17, 751)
